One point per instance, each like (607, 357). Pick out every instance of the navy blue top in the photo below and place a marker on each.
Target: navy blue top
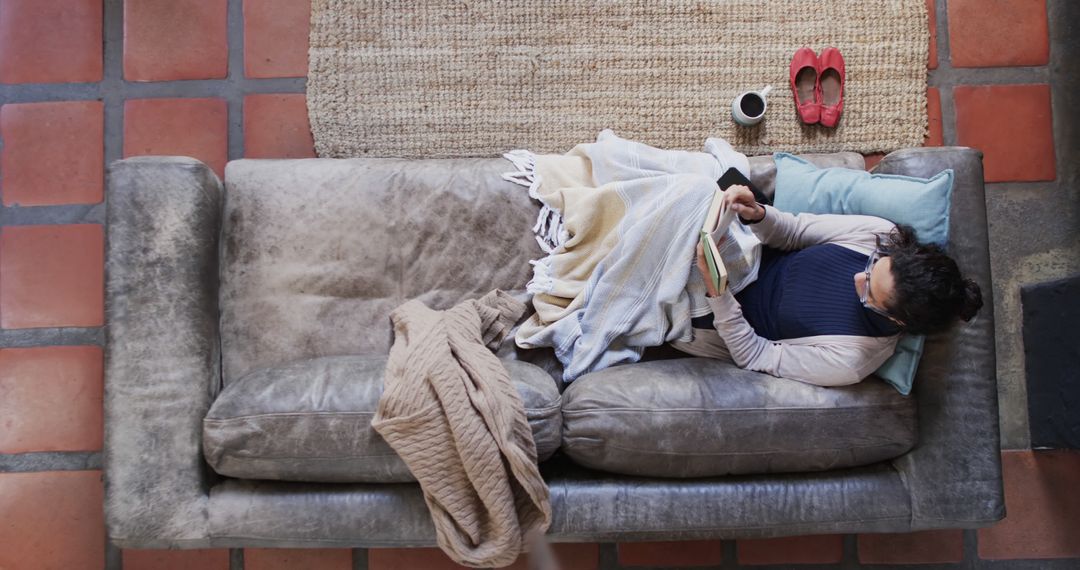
(808, 292)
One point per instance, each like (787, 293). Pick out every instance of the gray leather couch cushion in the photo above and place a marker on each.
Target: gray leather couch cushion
(310, 420)
(316, 253)
(700, 417)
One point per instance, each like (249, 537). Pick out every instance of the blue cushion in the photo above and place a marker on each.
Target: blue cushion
(922, 203)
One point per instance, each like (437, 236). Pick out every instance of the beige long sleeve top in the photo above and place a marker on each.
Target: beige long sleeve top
(824, 360)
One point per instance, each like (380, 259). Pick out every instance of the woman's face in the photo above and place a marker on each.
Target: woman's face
(882, 285)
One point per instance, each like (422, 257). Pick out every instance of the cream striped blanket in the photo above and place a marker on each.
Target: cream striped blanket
(620, 225)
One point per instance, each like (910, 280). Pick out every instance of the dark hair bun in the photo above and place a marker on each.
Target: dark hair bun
(972, 301)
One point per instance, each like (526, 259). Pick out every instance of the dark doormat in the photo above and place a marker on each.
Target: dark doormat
(1052, 354)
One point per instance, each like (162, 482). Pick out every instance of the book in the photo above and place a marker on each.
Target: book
(717, 222)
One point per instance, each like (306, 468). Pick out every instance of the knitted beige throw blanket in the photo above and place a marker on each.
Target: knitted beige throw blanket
(449, 410)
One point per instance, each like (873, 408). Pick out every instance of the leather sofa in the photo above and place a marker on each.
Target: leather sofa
(293, 266)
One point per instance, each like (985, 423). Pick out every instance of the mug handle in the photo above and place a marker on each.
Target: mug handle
(766, 90)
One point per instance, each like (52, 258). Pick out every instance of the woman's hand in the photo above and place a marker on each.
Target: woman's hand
(703, 266)
(741, 199)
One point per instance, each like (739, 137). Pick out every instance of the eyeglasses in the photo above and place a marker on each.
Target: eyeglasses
(874, 258)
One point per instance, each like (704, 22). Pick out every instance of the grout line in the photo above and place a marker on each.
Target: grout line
(236, 559)
(942, 76)
(944, 53)
(50, 461)
(359, 559)
(114, 557)
(970, 549)
(988, 76)
(1062, 95)
(851, 551)
(608, 558)
(234, 92)
(731, 554)
(124, 89)
(52, 336)
(49, 92)
(948, 117)
(113, 101)
(58, 214)
(112, 84)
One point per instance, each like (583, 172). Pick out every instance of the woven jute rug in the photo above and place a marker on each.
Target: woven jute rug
(460, 78)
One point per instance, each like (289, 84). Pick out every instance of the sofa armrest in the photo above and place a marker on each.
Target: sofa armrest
(162, 354)
(954, 472)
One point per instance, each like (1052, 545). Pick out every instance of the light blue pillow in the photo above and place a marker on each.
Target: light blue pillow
(922, 203)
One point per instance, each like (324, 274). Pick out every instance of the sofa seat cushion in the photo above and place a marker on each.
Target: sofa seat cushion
(310, 420)
(701, 417)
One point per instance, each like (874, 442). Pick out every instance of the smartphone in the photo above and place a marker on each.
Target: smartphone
(733, 177)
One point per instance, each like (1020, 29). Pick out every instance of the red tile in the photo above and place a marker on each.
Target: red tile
(923, 547)
(52, 276)
(53, 153)
(276, 38)
(185, 127)
(51, 399)
(873, 159)
(991, 33)
(934, 136)
(1043, 507)
(276, 126)
(401, 558)
(210, 559)
(297, 559)
(1012, 125)
(166, 40)
(931, 10)
(570, 556)
(675, 553)
(819, 549)
(50, 41)
(52, 519)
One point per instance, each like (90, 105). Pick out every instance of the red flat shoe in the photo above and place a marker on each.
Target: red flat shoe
(831, 84)
(804, 85)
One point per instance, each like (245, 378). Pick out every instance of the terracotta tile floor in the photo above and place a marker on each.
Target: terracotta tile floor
(86, 82)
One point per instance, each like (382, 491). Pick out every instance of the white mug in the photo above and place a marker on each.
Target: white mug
(748, 109)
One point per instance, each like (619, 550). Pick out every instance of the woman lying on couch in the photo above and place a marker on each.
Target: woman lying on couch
(833, 295)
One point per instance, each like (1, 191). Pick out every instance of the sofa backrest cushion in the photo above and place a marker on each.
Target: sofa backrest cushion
(316, 253)
(310, 420)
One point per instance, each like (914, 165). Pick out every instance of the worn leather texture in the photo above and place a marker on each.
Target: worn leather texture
(161, 348)
(315, 253)
(587, 506)
(702, 417)
(954, 473)
(310, 420)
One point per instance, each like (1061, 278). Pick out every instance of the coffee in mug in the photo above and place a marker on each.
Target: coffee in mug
(748, 108)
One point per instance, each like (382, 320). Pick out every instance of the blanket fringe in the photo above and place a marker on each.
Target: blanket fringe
(550, 230)
(541, 281)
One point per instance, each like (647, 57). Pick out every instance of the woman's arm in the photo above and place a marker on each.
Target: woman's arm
(785, 231)
(822, 365)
